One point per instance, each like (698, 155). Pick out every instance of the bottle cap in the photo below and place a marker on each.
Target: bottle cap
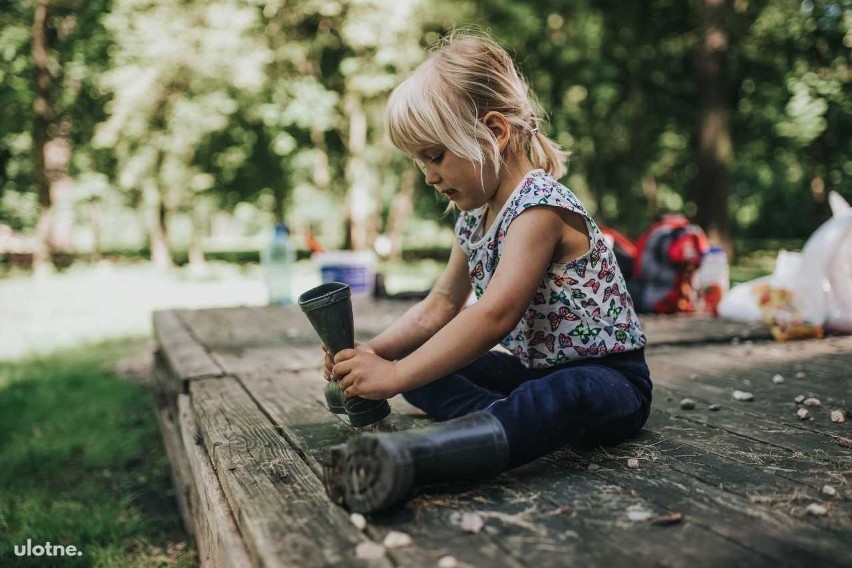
(281, 229)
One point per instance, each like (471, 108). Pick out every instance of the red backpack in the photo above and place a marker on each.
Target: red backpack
(667, 255)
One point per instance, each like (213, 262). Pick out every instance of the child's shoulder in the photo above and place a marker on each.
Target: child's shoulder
(540, 188)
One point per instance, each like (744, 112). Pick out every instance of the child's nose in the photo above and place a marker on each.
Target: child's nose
(432, 177)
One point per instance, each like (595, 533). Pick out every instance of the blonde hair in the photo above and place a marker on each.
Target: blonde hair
(443, 101)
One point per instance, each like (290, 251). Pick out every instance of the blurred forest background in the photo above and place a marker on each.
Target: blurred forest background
(179, 130)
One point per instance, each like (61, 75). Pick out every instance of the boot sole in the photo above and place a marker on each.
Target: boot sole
(376, 474)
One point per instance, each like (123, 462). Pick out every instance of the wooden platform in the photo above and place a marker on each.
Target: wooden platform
(239, 394)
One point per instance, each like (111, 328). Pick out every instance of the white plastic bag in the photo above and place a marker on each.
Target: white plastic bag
(820, 277)
(824, 287)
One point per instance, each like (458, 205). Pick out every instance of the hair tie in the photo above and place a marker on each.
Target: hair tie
(534, 130)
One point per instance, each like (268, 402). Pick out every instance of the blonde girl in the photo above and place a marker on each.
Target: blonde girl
(548, 289)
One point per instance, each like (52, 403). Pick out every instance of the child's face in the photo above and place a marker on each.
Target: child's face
(464, 182)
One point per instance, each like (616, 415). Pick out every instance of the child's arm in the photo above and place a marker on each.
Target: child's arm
(423, 320)
(446, 299)
(529, 248)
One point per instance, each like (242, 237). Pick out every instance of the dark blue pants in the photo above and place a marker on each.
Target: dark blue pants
(582, 403)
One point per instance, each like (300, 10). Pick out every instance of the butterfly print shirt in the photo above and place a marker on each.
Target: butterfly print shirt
(581, 308)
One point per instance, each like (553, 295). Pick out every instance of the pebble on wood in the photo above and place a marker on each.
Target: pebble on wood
(638, 513)
(799, 399)
(803, 413)
(448, 562)
(778, 379)
(687, 404)
(829, 490)
(633, 463)
(593, 467)
(817, 509)
(837, 416)
(714, 407)
(358, 520)
(369, 550)
(471, 523)
(743, 396)
(801, 375)
(396, 539)
(812, 402)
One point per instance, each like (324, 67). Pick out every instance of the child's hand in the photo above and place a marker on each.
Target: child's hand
(366, 375)
(328, 360)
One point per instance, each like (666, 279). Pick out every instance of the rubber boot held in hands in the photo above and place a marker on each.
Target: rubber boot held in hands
(375, 471)
(329, 309)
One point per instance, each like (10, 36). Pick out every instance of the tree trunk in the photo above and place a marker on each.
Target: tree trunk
(403, 205)
(714, 138)
(359, 201)
(42, 257)
(161, 256)
(196, 250)
(96, 219)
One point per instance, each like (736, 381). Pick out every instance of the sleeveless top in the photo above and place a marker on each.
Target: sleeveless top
(581, 309)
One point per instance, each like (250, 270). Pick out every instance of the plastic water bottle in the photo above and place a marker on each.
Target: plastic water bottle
(712, 280)
(277, 266)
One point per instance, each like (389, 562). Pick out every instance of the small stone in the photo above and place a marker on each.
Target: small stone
(471, 523)
(693, 376)
(812, 402)
(837, 416)
(714, 407)
(687, 404)
(777, 379)
(396, 539)
(801, 376)
(799, 399)
(369, 550)
(633, 463)
(743, 396)
(448, 562)
(637, 513)
(829, 490)
(747, 382)
(803, 413)
(817, 509)
(358, 520)
(593, 467)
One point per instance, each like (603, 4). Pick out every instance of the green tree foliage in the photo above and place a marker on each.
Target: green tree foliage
(191, 105)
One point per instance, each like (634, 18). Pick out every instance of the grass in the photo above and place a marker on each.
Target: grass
(83, 464)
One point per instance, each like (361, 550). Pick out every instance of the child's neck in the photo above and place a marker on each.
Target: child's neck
(510, 176)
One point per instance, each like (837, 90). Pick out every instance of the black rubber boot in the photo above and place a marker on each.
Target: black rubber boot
(329, 309)
(378, 470)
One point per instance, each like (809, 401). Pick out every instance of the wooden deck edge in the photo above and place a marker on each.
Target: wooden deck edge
(180, 468)
(186, 356)
(217, 536)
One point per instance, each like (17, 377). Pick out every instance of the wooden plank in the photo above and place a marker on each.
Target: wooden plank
(279, 505)
(234, 329)
(739, 418)
(186, 356)
(759, 472)
(598, 520)
(293, 402)
(784, 538)
(526, 522)
(685, 329)
(217, 537)
(180, 470)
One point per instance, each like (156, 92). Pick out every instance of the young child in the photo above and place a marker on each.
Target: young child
(547, 285)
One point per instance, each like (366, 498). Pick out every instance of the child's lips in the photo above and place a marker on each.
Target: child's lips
(450, 193)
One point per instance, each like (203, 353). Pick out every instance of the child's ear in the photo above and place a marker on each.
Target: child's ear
(499, 126)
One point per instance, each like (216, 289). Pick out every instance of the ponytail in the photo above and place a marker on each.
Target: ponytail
(547, 154)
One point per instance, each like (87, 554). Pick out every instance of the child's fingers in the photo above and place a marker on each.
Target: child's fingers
(344, 355)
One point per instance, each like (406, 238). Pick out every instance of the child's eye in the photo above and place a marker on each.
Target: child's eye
(436, 159)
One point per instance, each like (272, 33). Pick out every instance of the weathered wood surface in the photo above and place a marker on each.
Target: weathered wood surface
(242, 388)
